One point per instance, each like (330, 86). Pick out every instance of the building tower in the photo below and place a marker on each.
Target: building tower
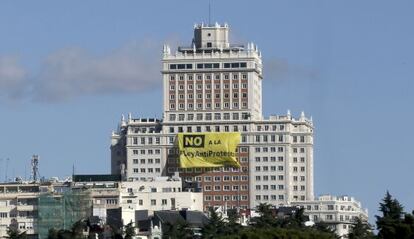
(215, 86)
(35, 168)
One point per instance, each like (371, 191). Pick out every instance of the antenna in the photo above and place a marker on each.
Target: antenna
(1, 163)
(35, 167)
(209, 13)
(7, 168)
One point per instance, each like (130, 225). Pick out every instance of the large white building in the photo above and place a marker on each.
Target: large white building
(337, 212)
(215, 86)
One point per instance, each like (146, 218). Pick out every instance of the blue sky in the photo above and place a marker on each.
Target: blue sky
(68, 70)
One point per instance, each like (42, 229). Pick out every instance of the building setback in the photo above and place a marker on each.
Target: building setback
(215, 86)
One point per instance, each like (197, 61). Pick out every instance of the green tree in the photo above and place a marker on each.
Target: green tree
(232, 225)
(297, 220)
(266, 218)
(360, 230)
(53, 234)
(78, 228)
(390, 224)
(14, 233)
(129, 231)
(324, 227)
(178, 230)
(215, 225)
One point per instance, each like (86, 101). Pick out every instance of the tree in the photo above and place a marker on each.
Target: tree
(360, 230)
(53, 234)
(129, 231)
(178, 230)
(297, 220)
(390, 224)
(78, 228)
(14, 233)
(232, 225)
(266, 218)
(215, 225)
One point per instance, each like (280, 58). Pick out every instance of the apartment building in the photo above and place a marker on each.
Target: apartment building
(215, 86)
(18, 208)
(338, 212)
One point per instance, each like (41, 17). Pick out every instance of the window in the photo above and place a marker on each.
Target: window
(153, 202)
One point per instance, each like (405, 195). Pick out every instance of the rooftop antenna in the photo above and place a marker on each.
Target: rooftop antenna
(209, 13)
(7, 168)
(1, 164)
(35, 167)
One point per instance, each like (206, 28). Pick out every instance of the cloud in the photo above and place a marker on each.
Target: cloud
(12, 78)
(282, 70)
(73, 72)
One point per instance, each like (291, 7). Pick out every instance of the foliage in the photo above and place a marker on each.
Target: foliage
(13, 233)
(275, 232)
(394, 223)
(232, 225)
(266, 218)
(179, 230)
(215, 226)
(360, 230)
(129, 231)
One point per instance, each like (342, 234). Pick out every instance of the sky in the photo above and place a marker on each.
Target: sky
(69, 69)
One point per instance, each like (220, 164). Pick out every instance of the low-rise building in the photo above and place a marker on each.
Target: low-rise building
(18, 208)
(337, 212)
(161, 193)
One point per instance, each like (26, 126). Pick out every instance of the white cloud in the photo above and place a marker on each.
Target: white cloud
(12, 78)
(281, 70)
(73, 72)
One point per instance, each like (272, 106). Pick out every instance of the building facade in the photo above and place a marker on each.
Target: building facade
(338, 212)
(215, 86)
(18, 208)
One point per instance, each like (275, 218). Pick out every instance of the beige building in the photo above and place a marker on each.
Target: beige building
(216, 86)
(18, 207)
(338, 212)
(162, 193)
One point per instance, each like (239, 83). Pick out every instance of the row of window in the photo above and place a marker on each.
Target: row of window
(148, 151)
(225, 178)
(329, 207)
(181, 87)
(226, 198)
(208, 96)
(226, 188)
(271, 177)
(272, 187)
(208, 76)
(147, 170)
(216, 65)
(266, 159)
(148, 161)
(266, 168)
(226, 105)
(296, 178)
(272, 197)
(146, 140)
(302, 159)
(207, 128)
(209, 116)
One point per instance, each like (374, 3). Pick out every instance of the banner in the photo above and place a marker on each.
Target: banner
(203, 150)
